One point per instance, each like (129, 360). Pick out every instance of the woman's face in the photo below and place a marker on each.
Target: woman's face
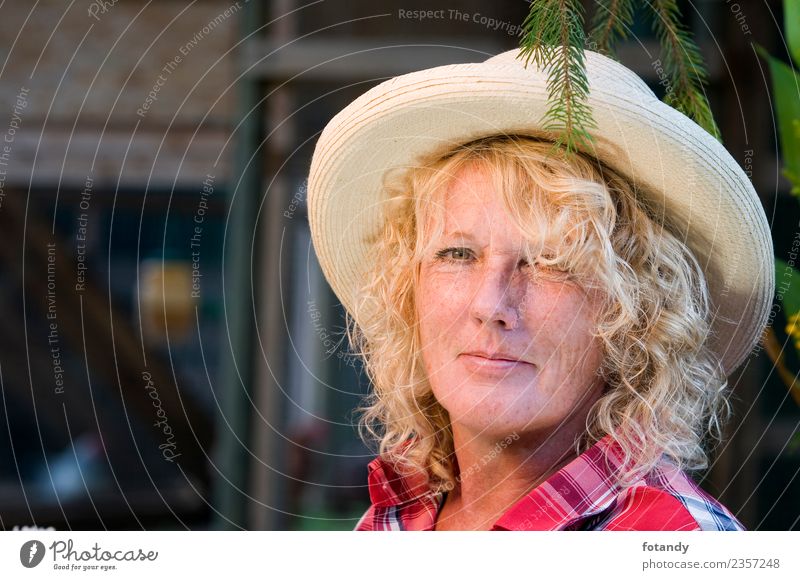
(504, 353)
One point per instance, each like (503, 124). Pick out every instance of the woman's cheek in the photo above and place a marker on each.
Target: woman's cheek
(445, 293)
(430, 304)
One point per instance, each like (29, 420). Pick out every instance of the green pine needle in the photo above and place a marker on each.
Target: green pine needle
(554, 39)
(683, 65)
(611, 22)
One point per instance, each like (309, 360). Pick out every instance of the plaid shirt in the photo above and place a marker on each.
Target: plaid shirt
(582, 495)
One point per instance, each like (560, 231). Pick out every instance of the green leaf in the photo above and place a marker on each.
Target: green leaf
(791, 22)
(794, 444)
(786, 97)
(787, 283)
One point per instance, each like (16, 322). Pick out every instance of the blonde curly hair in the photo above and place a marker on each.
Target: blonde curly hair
(665, 389)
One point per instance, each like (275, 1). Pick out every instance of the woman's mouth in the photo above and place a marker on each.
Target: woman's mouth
(490, 365)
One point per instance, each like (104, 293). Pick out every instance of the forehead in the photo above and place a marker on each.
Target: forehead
(472, 182)
(471, 203)
(471, 194)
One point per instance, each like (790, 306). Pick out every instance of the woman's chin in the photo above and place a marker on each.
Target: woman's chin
(495, 414)
(491, 427)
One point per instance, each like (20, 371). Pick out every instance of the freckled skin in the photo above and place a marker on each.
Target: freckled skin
(481, 296)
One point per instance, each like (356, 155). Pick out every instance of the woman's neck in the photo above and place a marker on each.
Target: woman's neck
(493, 474)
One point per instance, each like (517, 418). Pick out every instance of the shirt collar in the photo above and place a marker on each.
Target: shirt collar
(389, 487)
(583, 488)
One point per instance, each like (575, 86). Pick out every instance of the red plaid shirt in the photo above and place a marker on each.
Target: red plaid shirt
(583, 495)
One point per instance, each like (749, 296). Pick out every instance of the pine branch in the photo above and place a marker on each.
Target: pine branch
(611, 22)
(683, 65)
(554, 38)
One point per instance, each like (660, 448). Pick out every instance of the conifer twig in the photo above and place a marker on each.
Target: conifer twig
(611, 22)
(683, 65)
(554, 39)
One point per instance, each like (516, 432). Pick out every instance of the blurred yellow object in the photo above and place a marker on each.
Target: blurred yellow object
(793, 327)
(165, 300)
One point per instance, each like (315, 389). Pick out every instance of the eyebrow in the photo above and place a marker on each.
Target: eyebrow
(469, 237)
(458, 234)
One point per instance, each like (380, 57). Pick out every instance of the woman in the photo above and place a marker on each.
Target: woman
(548, 335)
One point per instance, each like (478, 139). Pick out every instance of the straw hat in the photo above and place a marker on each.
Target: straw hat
(686, 173)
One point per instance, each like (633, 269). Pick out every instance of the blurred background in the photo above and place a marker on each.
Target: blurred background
(170, 355)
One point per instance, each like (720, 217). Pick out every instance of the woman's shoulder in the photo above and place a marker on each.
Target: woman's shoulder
(667, 498)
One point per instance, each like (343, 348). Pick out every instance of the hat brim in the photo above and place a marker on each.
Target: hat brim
(686, 174)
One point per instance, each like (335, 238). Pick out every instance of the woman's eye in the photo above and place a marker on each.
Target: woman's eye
(453, 254)
(553, 272)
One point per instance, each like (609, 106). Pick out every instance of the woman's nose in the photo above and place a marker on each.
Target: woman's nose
(496, 299)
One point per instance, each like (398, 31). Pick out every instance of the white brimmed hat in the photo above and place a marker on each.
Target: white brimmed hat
(686, 173)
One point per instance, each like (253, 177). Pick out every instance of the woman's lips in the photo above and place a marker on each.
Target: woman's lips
(486, 365)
